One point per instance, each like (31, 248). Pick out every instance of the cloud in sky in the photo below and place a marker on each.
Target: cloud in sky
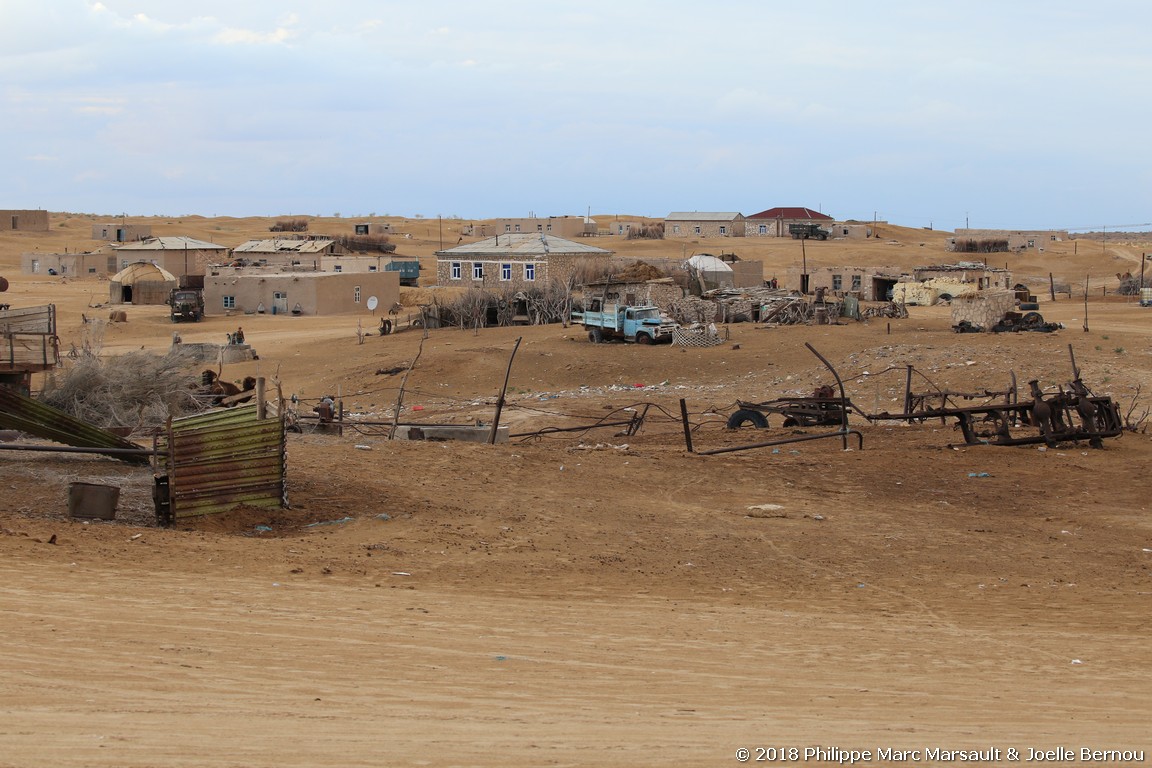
(1023, 114)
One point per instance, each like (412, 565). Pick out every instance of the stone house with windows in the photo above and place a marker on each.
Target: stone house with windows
(557, 226)
(515, 261)
(704, 224)
(291, 251)
(866, 283)
(774, 221)
(287, 291)
(1018, 239)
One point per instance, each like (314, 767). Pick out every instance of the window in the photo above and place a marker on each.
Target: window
(723, 229)
(229, 302)
(478, 271)
(550, 229)
(505, 271)
(361, 229)
(856, 282)
(507, 227)
(529, 271)
(696, 230)
(517, 227)
(371, 267)
(763, 229)
(337, 268)
(675, 229)
(91, 270)
(539, 227)
(837, 282)
(845, 231)
(455, 270)
(357, 295)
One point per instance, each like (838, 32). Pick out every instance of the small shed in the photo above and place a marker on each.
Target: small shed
(141, 283)
(710, 272)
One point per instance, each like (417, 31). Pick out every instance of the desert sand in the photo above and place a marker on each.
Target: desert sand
(587, 598)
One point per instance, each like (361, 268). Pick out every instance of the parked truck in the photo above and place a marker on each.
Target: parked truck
(186, 305)
(643, 325)
(808, 231)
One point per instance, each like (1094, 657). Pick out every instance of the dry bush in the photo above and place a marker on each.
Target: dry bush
(289, 225)
(367, 243)
(138, 390)
(647, 232)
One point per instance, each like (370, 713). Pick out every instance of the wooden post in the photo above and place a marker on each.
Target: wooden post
(1051, 287)
(261, 406)
(687, 428)
(503, 391)
(1085, 303)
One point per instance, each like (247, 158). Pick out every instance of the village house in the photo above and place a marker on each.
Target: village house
(23, 221)
(702, 224)
(774, 222)
(557, 226)
(515, 261)
(865, 283)
(121, 233)
(307, 250)
(1018, 239)
(659, 292)
(287, 290)
(99, 263)
(178, 255)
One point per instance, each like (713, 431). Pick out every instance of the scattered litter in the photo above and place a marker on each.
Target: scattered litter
(363, 447)
(417, 407)
(383, 516)
(817, 517)
(501, 658)
(135, 537)
(1077, 661)
(400, 573)
(861, 585)
(331, 522)
(263, 528)
(979, 474)
(767, 507)
(1147, 550)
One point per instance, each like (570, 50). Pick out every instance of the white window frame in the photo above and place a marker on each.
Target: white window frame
(356, 292)
(477, 270)
(696, 230)
(529, 272)
(229, 302)
(763, 229)
(505, 272)
(456, 271)
(723, 229)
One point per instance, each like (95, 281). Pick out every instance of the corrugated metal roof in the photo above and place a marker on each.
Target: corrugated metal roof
(283, 246)
(35, 418)
(221, 459)
(178, 243)
(702, 216)
(523, 244)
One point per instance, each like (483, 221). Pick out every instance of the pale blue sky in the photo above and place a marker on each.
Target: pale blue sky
(1009, 114)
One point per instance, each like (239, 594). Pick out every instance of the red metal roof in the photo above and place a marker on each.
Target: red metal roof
(791, 213)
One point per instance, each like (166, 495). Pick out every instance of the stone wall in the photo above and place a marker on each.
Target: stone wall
(984, 309)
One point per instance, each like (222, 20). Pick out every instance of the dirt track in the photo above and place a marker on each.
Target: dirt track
(590, 599)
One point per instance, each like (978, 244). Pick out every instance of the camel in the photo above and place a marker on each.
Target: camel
(217, 387)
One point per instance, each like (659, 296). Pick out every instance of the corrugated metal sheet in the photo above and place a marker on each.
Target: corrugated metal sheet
(29, 339)
(522, 244)
(221, 459)
(35, 418)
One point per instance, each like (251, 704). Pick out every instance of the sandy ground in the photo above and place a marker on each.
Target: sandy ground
(588, 598)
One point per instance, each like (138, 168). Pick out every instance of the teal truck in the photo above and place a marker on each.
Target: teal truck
(643, 325)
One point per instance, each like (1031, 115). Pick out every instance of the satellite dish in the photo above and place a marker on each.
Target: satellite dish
(373, 302)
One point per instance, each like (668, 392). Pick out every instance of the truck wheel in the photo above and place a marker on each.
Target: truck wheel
(643, 338)
(747, 416)
(595, 336)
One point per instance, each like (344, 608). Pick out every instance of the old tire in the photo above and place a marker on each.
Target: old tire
(1029, 305)
(747, 416)
(595, 336)
(1032, 320)
(643, 338)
